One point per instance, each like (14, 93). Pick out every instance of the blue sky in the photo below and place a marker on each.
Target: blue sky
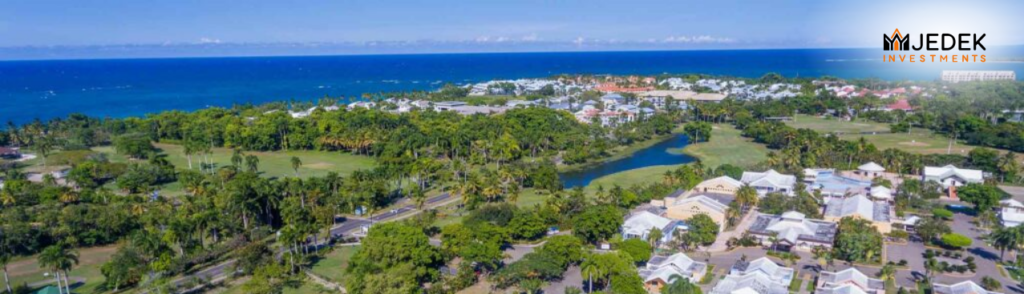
(407, 26)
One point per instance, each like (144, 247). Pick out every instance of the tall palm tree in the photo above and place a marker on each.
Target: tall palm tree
(296, 164)
(887, 273)
(590, 268)
(5, 257)
(60, 260)
(747, 197)
(1005, 239)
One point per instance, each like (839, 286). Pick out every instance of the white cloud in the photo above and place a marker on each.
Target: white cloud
(702, 39)
(205, 40)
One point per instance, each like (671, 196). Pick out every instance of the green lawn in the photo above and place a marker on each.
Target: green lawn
(625, 179)
(333, 265)
(918, 140)
(728, 147)
(26, 270)
(794, 286)
(832, 125)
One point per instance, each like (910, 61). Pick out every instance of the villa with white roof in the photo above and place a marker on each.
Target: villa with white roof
(881, 193)
(951, 176)
(769, 182)
(793, 230)
(870, 170)
(848, 281)
(1011, 213)
(860, 206)
(761, 276)
(639, 226)
(965, 287)
(660, 269)
(723, 185)
(714, 205)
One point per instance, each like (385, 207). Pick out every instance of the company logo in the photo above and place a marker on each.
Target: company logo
(963, 42)
(897, 42)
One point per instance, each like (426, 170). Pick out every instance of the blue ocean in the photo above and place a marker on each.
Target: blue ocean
(129, 87)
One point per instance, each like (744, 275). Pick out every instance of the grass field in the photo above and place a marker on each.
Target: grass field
(728, 147)
(918, 140)
(26, 270)
(334, 264)
(832, 125)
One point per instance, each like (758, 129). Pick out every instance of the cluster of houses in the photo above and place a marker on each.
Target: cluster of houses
(764, 276)
(845, 194)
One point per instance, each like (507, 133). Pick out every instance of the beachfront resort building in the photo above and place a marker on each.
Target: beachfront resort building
(720, 185)
(965, 287)
(951, 176)
(685, 206)
(661, 269)
(660, 98)
(879, 213)
(1011, 212)
(956, 76)
(770, 181)
(792, 230)
(640, 224)
(761, 276)
(848, 281)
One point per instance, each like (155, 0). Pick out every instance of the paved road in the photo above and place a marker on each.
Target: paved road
(343, 228)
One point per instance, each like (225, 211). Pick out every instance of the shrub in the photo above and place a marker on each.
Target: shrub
(942, 213)
(956, 240)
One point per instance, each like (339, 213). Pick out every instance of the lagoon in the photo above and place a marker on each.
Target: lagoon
(657, 154)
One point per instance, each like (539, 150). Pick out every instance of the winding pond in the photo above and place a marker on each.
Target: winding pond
(656, 154)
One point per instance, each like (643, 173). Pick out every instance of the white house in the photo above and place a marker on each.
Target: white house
(1011, 213)
(769, 182)
(660, 270)
(848, 281)
(793, 230)
(639, 226)
(761, 276)
(870, 170)
(951, 176)
(859, 206)
(881, 193)
(965, 287)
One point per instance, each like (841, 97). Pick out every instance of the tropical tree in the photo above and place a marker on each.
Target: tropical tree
(1005, 239)
(680, 285)
(60, 260)
(296, 164)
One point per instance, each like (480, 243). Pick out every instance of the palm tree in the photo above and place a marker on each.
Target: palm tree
(679, 285)
(252, 163)
(60, 260)
(887, 273)
(654, 236)
(236, 158)
(296, 164)
(747, 197)
(590, 268)
(5, 257)
(1005, 239)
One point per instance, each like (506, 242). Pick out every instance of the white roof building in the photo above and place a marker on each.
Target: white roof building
(660, 269)
(793, 229)
(639, 226)
(761, 276)
(881, 193)
(950, 175)
(848, 281)
(1012, 212)
(965, 287)
(769, 182)
(859, 206)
